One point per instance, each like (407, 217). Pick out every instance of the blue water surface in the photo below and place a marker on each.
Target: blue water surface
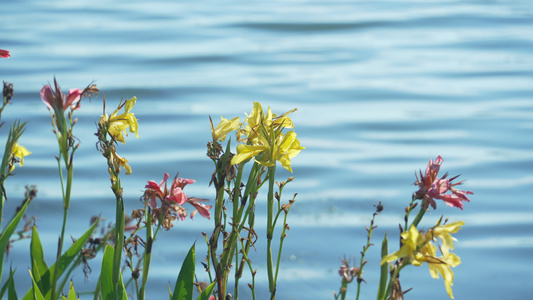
(380, 86)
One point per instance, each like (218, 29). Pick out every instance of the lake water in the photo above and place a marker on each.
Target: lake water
(380, 86)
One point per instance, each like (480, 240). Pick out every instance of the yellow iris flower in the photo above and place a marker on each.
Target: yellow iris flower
(19, 151)
(264, 140)
(258, 118)
(418, 248)
(265, 153)
(224, 127)
(117, 124)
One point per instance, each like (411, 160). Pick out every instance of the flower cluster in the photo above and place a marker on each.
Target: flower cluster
(419, 247)
(114, 126)
(265, 141)
(432, 187)
(262, 138)
(172, 200)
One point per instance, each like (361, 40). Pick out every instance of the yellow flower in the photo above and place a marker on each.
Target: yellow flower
(245, 152)
(118, 161)
(443, 233)
(410, 241)
(118, 124)
(266, 153)
(288, 148)
(224, 127)
(283, 120)
(19, 151)
(251, 124)
(418, 248)
(257, 118)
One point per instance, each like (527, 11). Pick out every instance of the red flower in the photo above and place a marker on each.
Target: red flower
(4, 53)
(432, 187)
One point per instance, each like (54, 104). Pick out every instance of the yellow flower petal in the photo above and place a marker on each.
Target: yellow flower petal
(224, 127)
(20, 151)
(117, 124)
(245, 152)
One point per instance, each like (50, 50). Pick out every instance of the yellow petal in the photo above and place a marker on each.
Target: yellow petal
(20, 151)
(404, 251)
(224, 127)
(129, 104)
(284, 120)
(245, 152)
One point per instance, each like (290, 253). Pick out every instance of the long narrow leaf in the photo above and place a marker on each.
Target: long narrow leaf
(9, 286)
(185, 283)
(106, 284)
(107, 288)
(12, 292)
(36, 293)
(6, 235)
(39, 267)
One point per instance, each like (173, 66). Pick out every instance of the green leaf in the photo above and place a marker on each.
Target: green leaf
(12, 292)
(185, 283)
(6, 235)
(72, 292)
(38, 265)
(206, 292)
(37, 295)
(64, 261)
(9, 286)
(384, 269)
(107, 287)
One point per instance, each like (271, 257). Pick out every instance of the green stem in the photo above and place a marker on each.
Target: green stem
(66, 203)
(282, 238)
(362, 261)
(418, 217)
(119, 236)
(147, 254)
(270, 230)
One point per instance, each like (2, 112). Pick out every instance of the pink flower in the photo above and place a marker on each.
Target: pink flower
(176, 191)
(155, 191)
(4, 53)
(56, 101)
(200, 207)
(432, 187)
(175, 195)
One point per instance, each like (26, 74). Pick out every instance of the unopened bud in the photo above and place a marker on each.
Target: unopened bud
(8, 91)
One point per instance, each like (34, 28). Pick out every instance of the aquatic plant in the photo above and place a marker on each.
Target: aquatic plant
(243, 167)
(417, 246)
